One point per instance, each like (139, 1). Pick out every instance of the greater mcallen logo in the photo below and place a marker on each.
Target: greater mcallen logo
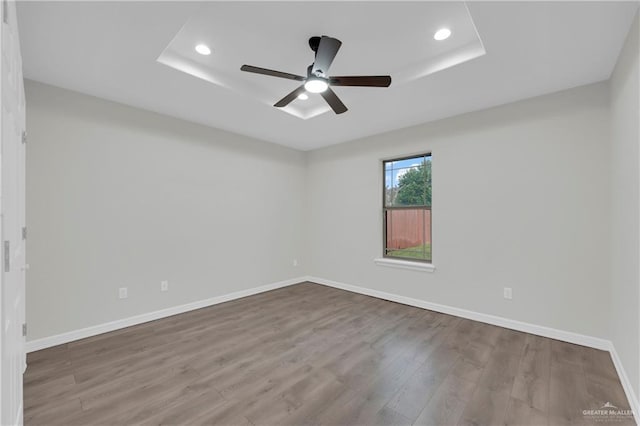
(608, 412)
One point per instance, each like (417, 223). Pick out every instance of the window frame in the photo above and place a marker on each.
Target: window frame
(385, 208)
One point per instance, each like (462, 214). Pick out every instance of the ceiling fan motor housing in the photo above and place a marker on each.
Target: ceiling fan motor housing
(317, 74)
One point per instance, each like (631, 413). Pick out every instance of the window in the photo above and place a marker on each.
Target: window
(407, 208)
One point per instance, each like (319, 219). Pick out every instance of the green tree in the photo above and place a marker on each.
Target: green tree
(414, 187)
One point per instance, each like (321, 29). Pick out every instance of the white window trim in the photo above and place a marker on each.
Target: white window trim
(405, 264)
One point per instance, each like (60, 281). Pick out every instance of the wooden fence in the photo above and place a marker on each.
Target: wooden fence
(408, 228)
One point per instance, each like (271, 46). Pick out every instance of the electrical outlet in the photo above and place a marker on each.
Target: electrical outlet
(508, 294)
(164, 285)
(122, 293)
(295, 262)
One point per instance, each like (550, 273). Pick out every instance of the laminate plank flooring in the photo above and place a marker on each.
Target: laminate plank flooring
(314, 355)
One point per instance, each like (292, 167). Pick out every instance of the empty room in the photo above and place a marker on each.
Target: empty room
(320, 213)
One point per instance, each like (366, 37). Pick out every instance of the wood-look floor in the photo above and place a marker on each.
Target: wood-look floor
(310, 354)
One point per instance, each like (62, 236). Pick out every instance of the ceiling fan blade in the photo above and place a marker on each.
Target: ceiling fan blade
(325, 54)
(334, 101)
(364, 80)
(272, 73)
(290, 97)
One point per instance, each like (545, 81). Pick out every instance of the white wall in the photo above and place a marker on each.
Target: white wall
(122, 197)
(625, 207)
(517, 202)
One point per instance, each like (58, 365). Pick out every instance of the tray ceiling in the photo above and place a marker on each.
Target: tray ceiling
(409, 53)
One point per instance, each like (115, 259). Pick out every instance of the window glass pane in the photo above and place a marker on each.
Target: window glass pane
(408, 233)
(389, 189)
(408, 182)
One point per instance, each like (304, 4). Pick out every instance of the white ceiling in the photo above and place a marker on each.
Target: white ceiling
(417, 56)
(111, 50)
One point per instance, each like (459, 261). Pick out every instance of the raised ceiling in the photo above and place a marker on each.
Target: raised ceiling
(417, 56)
(499, 52)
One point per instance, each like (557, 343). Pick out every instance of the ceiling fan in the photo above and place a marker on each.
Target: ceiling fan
(317, 79)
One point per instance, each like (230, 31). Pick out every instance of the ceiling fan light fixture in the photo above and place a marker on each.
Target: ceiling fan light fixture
(303, 96)
(442, 34)
(316, 85)
(203, 49)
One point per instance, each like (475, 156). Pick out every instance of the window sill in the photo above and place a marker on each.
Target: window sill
(405, 264)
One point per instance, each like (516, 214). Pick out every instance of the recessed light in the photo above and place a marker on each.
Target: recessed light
(316, 85)
(442, 34)
(303, 96)
(203, 49)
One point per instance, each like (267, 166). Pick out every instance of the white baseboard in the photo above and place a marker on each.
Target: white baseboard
(58, 339)
(626, 383)
(20, 415)
(552, 333)
(566, 336)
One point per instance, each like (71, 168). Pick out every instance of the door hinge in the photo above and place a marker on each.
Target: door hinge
(24, 330)
(7, 254)
(24, 232)
(24, 136)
